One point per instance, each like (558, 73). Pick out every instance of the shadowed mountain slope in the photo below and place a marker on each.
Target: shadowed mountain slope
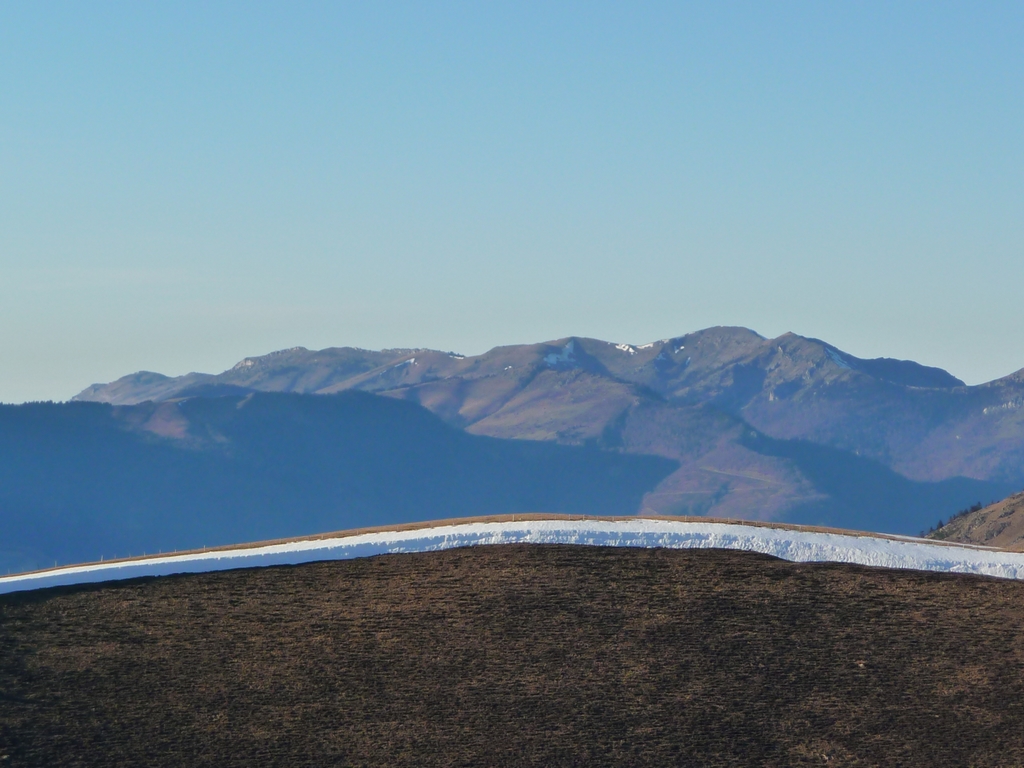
(863, 494)
(519, 655)
(84, 480)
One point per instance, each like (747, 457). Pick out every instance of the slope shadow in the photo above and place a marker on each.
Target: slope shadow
(76, 483)
(866, 495)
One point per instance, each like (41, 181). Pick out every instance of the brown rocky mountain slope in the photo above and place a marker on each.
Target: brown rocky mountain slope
(519, 655)
(997, 525)
(701, 399)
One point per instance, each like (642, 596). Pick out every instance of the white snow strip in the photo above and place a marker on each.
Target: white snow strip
(838, 359)
(796, 546)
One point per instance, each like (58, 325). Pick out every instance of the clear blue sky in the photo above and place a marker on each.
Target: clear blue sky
(185, 184)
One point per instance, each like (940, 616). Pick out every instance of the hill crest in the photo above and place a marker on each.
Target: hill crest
(1000, 524)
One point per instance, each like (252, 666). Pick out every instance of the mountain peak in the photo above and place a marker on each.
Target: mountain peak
(706, 360)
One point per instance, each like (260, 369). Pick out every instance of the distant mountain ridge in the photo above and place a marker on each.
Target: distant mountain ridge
(761, 428)
(790, 387)
(328, 370)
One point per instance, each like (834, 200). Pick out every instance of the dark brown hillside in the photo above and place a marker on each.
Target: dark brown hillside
(519, 655)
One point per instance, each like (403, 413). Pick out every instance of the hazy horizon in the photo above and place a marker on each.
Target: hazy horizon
(186, 186)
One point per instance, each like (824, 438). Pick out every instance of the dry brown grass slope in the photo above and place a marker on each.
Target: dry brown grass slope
(997, 525)
(519, 655)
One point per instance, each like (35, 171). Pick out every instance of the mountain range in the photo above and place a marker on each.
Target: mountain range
(722, 422)
(790, 428)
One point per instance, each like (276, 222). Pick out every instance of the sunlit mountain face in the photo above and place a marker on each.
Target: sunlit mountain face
(790, 428)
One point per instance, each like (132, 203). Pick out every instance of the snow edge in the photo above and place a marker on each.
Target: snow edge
(792, 545)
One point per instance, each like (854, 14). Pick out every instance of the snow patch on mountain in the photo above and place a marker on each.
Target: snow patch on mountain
(838, 359)
(565, 356)
(1010, 405)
